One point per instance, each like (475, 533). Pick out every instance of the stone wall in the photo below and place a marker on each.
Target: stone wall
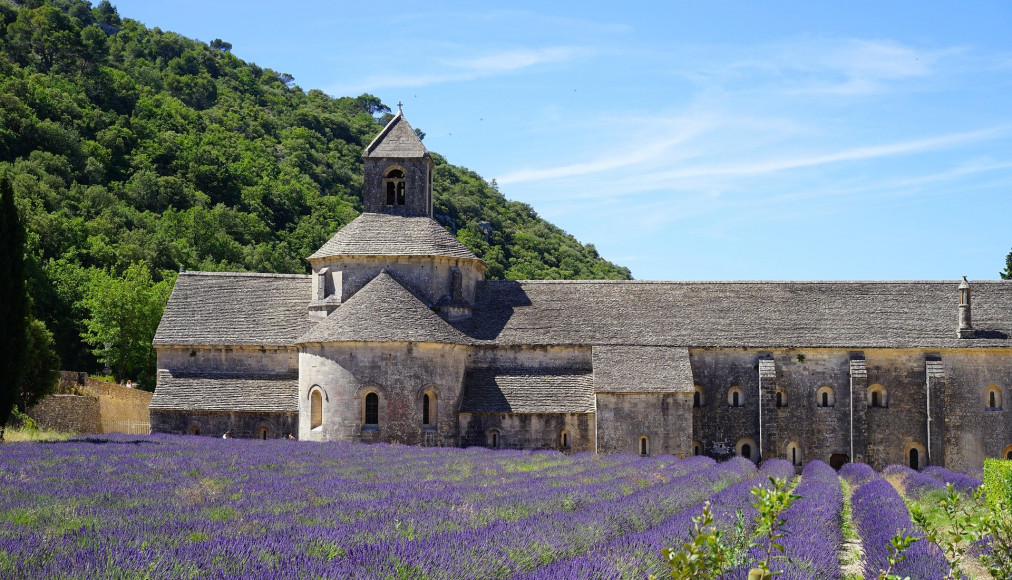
(88, 405)
(215, 423)
(232, 359)
(431, 276)
(973, 431)
(529, 431)
(76, 413)
(665, 419)
(399, 373)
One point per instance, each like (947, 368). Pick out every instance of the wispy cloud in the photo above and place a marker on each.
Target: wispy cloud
(458, 69)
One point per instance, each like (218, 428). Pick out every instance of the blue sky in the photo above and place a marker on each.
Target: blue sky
(689, 140)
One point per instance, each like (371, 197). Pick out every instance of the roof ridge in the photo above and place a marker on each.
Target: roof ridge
(242, 274)
(737, 282)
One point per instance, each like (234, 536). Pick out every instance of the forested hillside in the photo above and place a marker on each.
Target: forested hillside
(136, 152)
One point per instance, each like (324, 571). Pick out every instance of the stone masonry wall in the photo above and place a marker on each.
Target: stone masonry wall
(529, 431)
(216, 423)
(77, 413)
(664, 418)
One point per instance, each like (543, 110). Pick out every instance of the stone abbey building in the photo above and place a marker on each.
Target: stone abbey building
(397, 337)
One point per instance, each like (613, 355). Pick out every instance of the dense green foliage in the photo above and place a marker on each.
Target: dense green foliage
(13, 301)
(41, 375)
(129, 145)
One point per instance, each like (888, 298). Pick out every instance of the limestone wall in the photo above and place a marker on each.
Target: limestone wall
(528, 431)
(399, 373)
(973, 430)
(234, 359)
(664, 418)
(429, 275)
(77, 413)
(216, 423)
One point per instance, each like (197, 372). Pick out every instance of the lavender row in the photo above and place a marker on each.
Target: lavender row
(637, 554)
(961, 482)
(509, 548)
(914, 483)
(813, 528)
(879, 514)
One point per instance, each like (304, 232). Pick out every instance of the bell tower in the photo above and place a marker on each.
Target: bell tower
(398, 172)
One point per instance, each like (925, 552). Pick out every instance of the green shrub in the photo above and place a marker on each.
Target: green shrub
(998, 481)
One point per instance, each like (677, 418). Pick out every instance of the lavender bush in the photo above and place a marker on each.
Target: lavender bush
(915, 483)
(966, 484)
(813, 526)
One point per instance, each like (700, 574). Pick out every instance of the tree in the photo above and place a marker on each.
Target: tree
(14, 314)
(41, 376)
(1007, 274)
(123, 315)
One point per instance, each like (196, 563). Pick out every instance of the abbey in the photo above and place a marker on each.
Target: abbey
(397, 337)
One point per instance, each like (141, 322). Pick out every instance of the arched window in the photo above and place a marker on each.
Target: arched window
(564, 439)
(316, 409)
(781, 397)
(878, 396)
(1007, 452)
(372, 409)
(644, 446)
(494, 439)
(914, 459)
(425, 409)
(794, 453)
(993, 400)
(746, 450)
(194, 430)
(697, 448)
(698, 400)
(395, 188)
(736, 397)
(262, 433)
(825, 397)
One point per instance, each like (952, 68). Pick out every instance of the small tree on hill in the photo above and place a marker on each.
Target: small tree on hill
(14, 313)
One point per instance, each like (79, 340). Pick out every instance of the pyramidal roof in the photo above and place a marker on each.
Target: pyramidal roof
(379, 234)
(397, 139)
(383, 311)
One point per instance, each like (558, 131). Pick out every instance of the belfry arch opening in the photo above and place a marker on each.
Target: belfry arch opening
(395, 187)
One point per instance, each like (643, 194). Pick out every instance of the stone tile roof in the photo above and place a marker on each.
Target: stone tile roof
(383, 311)
(733, 314)
(642, 369)
(397, 139)
(527, 391)
(221, 308)
(226, 392)
(377, 234)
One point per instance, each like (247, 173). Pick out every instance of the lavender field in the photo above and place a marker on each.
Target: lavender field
(194, 507)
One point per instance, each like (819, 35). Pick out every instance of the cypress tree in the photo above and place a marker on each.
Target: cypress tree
(13, 302)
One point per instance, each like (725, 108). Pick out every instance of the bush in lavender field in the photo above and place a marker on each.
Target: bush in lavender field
(997, 526)
(813, 526)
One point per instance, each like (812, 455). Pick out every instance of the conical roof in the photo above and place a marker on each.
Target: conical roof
(383, 311)
(397, 139)
(378, 234)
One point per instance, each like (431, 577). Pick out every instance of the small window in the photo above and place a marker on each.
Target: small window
(736, 397)
(747, 449)
(644, 446)
(262, 433)
(1007, 452)
(780, 400)
(494, 439)
(698, 400)
(993, 400)
(564, 439)
(372, 409)
(794, 453)
(878, 396)
(914, 459)
(825, 397)
(697, 448)
(425, 409)
(194, 430)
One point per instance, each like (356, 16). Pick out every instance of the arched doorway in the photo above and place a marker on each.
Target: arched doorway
(838, 460)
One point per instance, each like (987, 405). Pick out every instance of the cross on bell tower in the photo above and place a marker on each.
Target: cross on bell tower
(398, 171)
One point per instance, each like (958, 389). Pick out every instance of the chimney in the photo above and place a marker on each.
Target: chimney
(965, 325)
